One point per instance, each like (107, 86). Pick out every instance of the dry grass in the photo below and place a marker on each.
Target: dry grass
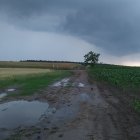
(44, 65)
(10, 72)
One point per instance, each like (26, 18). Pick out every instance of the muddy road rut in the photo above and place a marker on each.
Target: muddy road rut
(79, 110)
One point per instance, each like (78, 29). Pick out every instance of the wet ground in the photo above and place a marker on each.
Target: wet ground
(70, 109)
(7, 92)
(16, 113)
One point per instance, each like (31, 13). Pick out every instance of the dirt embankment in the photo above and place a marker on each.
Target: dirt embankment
(83, 111)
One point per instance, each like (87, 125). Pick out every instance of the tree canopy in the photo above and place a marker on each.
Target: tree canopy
(91, 58)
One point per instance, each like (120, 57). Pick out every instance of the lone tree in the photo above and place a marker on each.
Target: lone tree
(91, 58)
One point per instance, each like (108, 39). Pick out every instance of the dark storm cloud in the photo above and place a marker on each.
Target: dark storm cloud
(37, 15)
(23, 8)
(113, 25)
(27, 8)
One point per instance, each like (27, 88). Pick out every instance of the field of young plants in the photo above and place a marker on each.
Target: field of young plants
(120, 76)
(125, 78)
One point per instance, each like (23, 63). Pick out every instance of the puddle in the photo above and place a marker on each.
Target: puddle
(11, 90)
(63, 82)
(57, 84)
(70, 110)
(64, 114)
(81, 85)
(84, 97)
(21, 113)
(2, 95)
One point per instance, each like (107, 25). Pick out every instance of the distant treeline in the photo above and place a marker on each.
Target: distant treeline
(51, 61)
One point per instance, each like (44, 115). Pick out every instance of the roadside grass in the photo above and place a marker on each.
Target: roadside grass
(30, 83)
(123, 77)
(136, 105)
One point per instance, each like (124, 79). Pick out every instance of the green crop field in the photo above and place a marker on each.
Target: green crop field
(125, 78)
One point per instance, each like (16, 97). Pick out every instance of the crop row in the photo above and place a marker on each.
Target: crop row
(123, 77)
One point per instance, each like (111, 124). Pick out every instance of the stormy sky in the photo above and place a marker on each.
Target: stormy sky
(67, 29)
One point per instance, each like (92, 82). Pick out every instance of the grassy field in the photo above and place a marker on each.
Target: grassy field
(28, 81)
(30, 77)
(44, 65)
(125, 78)
(10, 72)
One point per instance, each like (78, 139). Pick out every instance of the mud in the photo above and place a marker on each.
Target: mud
(79, 111)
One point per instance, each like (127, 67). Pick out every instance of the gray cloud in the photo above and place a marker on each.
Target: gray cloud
(21, 8)
(113, 25)
(22, 44)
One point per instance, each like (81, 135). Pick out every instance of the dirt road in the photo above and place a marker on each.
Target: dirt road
(81, 111)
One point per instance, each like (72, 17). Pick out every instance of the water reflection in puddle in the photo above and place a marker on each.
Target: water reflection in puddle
(7, 91)
(2, 95)
(21, 113)
(11, 90)
(63, 82)
(57, 84)
(81, 85)
(84, 97)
